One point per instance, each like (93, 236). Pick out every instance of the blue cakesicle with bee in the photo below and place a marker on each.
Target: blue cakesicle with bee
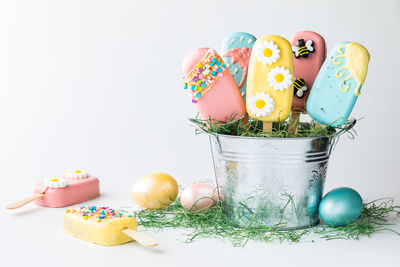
(338, 84)
(235, 51)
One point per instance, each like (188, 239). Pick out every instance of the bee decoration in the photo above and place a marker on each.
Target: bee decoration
(303, 48)
(300, 87)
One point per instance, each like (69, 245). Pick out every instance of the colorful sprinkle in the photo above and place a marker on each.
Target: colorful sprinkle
(97, 213)
(206, 72)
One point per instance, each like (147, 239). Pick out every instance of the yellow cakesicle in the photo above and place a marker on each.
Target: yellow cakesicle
(100, 225)
(270, 79)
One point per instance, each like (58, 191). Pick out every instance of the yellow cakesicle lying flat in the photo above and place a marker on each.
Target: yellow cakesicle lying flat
(103, 225)
(270, 79)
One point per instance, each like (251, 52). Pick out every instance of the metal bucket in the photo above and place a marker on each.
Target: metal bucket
(276, 182)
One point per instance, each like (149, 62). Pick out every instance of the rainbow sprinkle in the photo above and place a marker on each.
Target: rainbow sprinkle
(201, 78)
(97, 213)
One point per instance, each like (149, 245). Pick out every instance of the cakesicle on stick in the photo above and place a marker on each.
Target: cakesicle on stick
(211, 86)
(338, 84)
(104, 226)
(270, 81)
(236, 51)
(309, 52)
(77, 186)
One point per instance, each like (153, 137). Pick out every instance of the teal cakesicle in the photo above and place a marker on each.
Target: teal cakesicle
(235, 51)
(338, 84)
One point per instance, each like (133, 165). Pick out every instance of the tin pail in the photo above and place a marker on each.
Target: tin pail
(275, 182)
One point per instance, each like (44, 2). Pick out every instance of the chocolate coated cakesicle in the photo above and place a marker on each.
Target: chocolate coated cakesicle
(103, 226)
(75, 187)
(338, 84)
(309, 53)
(236, 51)
(270, 79)
(211, 86)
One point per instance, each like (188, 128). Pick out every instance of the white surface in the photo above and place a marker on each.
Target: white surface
(97, 85)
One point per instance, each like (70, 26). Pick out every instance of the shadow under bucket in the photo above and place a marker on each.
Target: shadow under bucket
(275, 182)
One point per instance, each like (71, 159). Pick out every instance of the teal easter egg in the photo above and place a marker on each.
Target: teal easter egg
(340, 206)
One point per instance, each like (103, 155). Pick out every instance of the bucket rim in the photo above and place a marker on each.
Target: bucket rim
(331, 136)
(274, 138)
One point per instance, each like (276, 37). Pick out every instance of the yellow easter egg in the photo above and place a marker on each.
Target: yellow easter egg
(155, 191)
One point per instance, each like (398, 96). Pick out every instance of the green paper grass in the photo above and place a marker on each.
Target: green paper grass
(377, 216)
(254, 128)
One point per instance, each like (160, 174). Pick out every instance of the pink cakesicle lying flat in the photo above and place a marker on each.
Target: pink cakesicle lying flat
(309, 54)
(77, 186)
(211, 86)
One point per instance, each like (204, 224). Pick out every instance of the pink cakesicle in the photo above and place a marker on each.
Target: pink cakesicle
(77, 186)
(309, 54)
(211, 86)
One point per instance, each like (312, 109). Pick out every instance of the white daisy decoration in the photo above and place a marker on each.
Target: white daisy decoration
(77, 174)
(267, 52)
(56, 183)
(280, 78)
(261, 104)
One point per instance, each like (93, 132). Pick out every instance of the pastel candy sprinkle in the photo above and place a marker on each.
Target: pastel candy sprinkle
(97, 213)
(205, 73)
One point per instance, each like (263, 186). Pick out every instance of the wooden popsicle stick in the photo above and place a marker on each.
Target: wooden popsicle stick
(245, 122)
(267, 126)
(23, 202)
(140, 238)
(294, 122)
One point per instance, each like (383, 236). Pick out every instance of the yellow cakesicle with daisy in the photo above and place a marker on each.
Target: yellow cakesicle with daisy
(270, 80)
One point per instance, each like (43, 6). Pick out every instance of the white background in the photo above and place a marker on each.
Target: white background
(97, 85)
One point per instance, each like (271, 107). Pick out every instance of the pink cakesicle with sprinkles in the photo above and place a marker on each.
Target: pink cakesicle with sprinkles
(75, 187)
(211, 86)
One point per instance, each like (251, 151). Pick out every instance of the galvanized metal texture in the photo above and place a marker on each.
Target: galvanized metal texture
(275, 182)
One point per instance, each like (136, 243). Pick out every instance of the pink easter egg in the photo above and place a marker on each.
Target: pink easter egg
(199, 196)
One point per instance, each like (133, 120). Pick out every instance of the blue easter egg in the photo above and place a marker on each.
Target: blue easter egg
(340, 206)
